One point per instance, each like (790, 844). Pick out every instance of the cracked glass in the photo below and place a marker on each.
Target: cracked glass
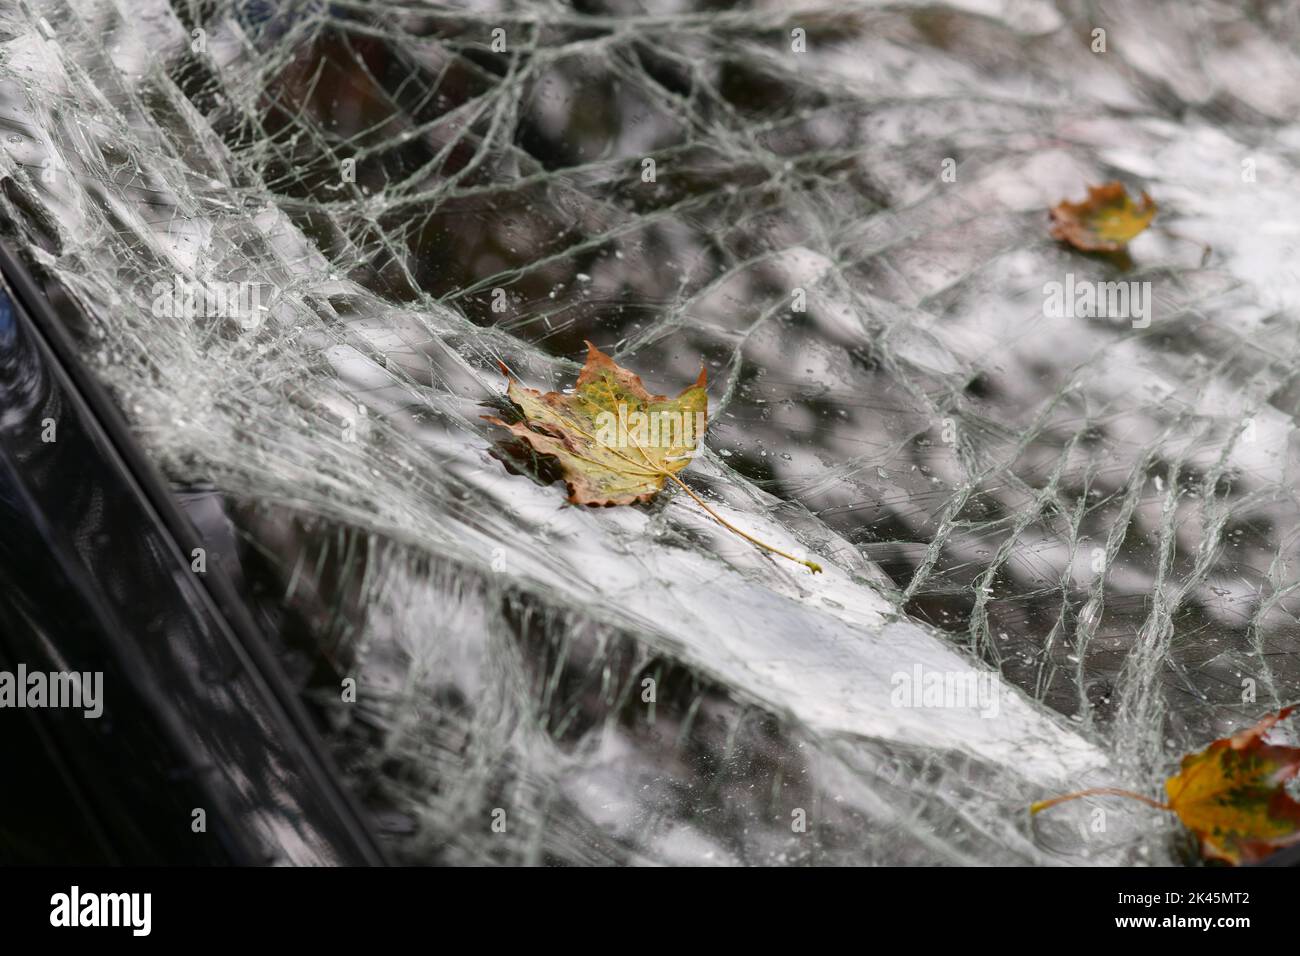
(305, 235)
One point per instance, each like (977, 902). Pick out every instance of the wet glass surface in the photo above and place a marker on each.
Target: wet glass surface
(1097, 515)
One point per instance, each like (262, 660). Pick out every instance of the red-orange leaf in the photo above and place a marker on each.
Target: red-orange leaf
(1233, 795)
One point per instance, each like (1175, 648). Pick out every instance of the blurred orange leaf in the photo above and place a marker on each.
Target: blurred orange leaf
(1104, 222)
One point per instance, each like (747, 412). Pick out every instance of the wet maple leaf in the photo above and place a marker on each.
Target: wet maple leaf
(1104, 222)
(1233, 795)
(615, 442)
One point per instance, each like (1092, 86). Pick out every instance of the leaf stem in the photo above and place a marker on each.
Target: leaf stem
(1098, 792)
(811, 565)
(657, 470)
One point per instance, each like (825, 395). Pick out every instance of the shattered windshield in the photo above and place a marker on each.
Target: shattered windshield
(1051, 491)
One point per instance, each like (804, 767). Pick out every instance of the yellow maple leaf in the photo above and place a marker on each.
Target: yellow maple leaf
(616, 443)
